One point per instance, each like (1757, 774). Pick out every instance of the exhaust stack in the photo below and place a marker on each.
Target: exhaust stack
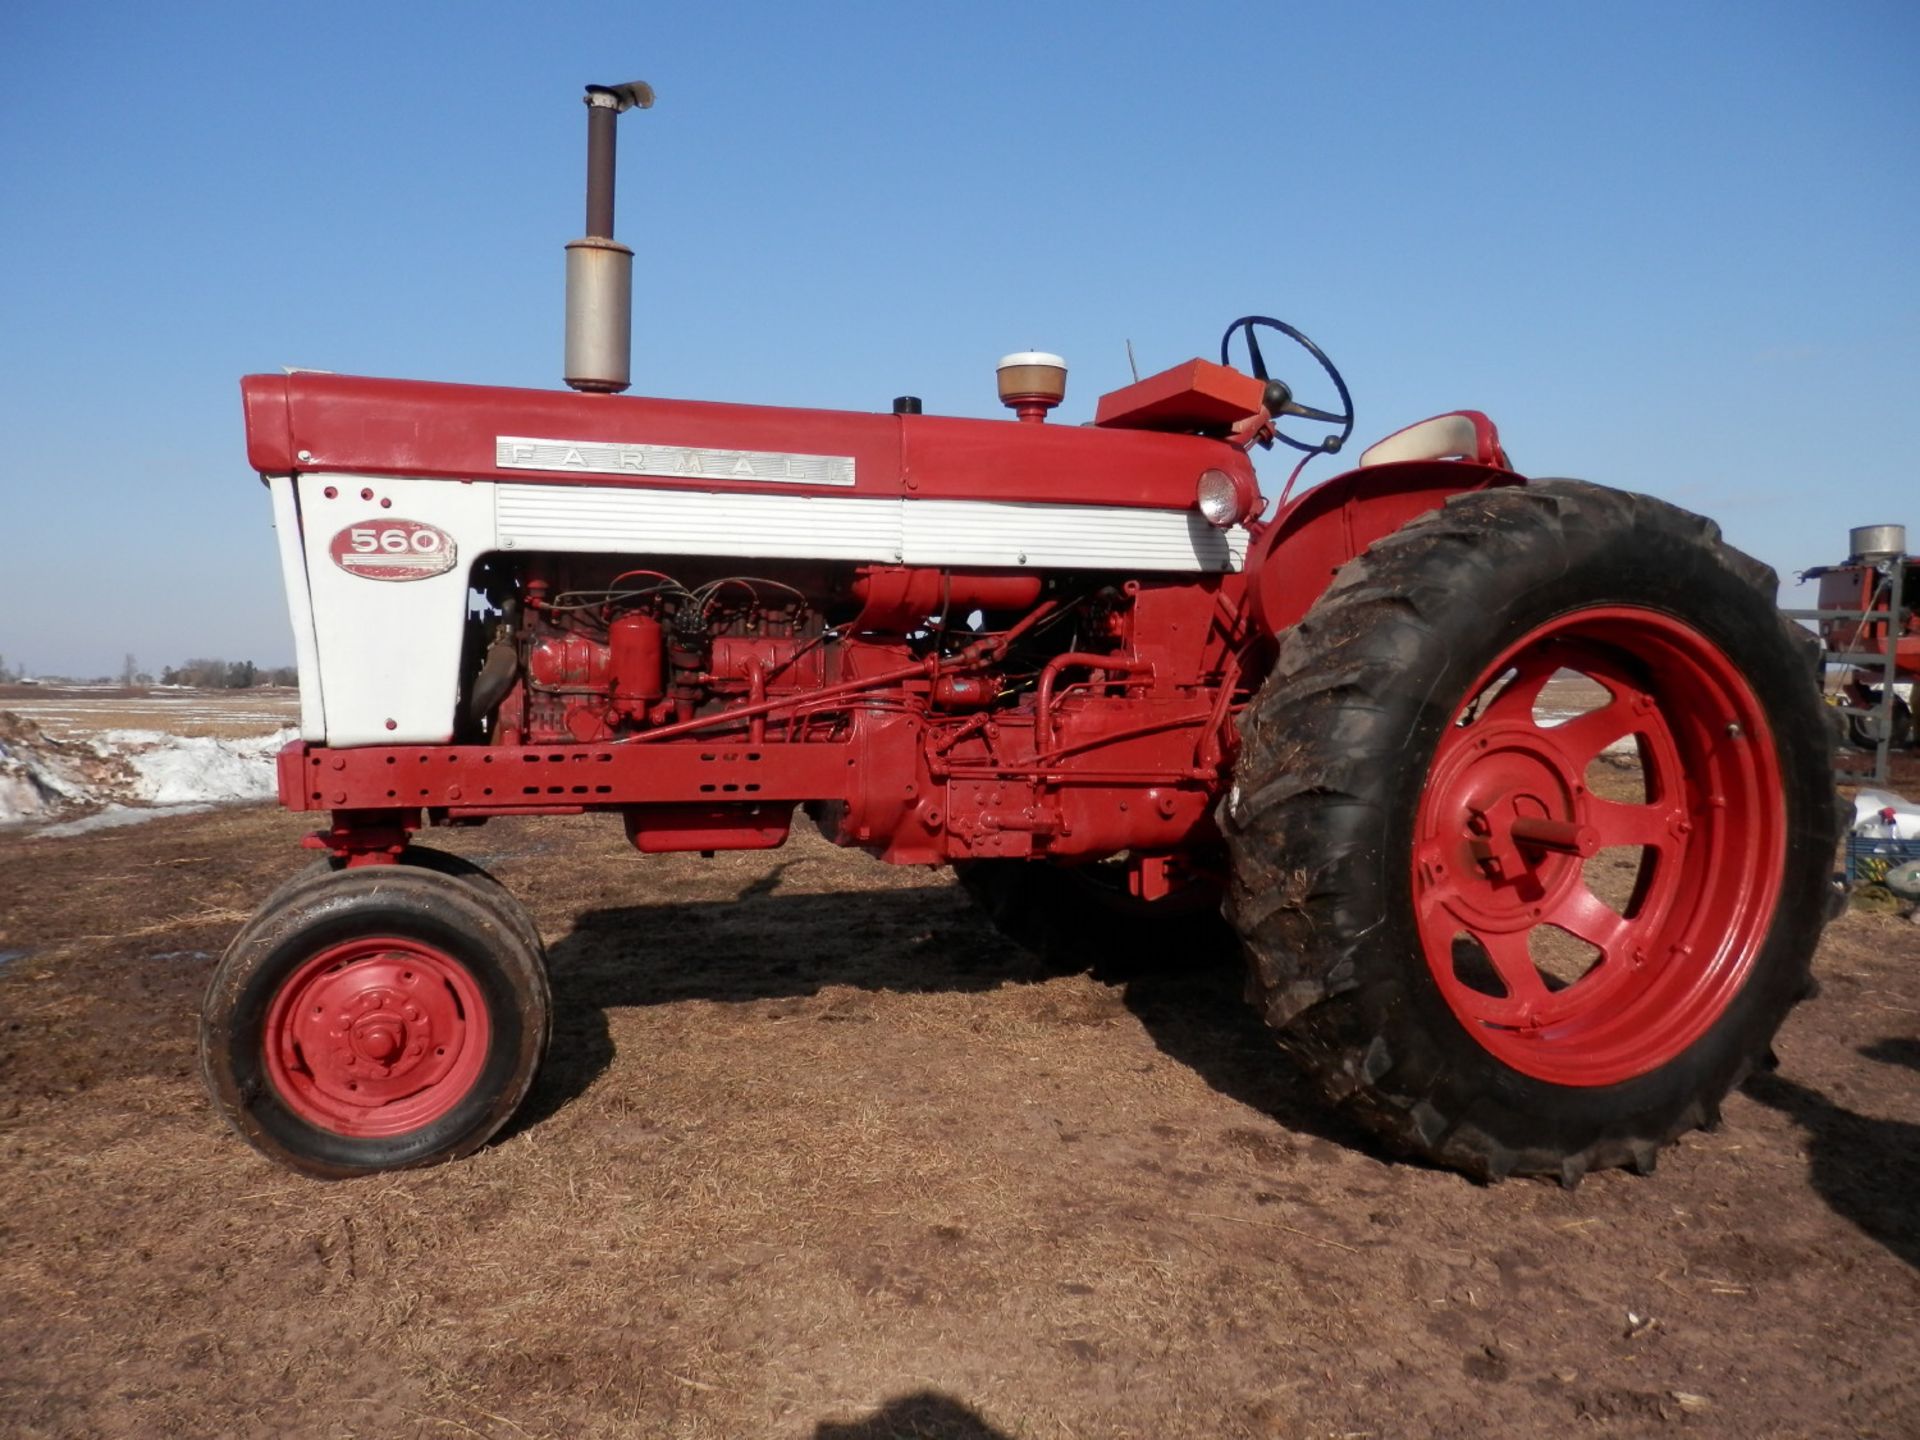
(600, 268)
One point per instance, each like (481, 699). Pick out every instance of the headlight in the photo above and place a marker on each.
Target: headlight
(1225, 499)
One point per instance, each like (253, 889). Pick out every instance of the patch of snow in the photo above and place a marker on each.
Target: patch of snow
(124, 776)
(40, 776)
(182, 770)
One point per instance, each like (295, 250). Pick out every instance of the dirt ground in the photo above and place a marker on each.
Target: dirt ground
(818, 1156)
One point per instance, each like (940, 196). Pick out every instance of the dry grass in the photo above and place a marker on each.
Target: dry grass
(816, 1156)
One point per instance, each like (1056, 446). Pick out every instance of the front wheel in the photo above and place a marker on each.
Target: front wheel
(1863, 731)
(1532, 830)
(375, 1019)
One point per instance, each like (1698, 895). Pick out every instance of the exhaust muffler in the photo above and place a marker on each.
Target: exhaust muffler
(599, 268)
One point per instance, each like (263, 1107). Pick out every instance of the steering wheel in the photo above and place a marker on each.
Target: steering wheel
(1279, 398)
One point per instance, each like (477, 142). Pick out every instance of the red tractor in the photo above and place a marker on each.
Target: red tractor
(1380, 727)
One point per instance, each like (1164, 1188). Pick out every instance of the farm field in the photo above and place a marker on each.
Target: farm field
(70, 711)
(818, 1156)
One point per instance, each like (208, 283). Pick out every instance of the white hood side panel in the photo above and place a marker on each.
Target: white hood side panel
(293, 575)
(387, 650)
(383, 664)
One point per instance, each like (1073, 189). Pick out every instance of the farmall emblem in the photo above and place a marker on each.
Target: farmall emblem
(393, 550)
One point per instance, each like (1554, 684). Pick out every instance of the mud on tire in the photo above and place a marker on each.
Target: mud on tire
(1360, 775)
(485, 886)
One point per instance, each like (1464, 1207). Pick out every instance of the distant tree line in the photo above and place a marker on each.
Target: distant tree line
(214, 674)
(206, 674)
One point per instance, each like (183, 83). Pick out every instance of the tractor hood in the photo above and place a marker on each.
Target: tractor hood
(309, 421)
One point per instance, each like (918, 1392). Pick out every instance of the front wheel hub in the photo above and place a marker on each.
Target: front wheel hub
(376, 1037)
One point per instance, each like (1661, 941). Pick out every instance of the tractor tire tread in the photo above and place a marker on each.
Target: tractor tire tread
(1316, 741)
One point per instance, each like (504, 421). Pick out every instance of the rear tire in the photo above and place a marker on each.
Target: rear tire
(1391, 908)
(379, 1018)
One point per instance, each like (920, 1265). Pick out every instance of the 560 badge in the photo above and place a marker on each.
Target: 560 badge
(393, 550)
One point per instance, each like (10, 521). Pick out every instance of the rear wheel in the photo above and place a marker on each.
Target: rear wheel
(1532, 830)
(376, 1019)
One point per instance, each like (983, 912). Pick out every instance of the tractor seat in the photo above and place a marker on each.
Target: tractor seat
(1458, 435)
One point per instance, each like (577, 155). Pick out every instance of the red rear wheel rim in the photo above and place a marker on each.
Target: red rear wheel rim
(1508, 828)
(376, 1037)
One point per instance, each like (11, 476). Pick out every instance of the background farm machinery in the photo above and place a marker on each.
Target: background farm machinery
(1869, 622)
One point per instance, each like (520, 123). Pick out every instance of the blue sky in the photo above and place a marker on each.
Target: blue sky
(1667, 247)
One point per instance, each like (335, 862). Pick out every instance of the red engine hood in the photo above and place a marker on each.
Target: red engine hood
(357, 425)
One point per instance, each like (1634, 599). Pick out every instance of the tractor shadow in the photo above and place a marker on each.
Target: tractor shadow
(771, 945)
(923, 1415)
(1867, 1170)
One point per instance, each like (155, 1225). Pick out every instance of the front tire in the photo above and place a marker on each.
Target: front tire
(485, 886)
(379, 1018)
(1414, 843)
(1863, 731)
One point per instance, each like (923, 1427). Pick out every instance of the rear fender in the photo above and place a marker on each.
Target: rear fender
(1293, 559)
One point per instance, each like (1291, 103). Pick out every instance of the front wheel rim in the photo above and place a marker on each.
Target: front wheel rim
(1507, 824)
(376, 1037)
